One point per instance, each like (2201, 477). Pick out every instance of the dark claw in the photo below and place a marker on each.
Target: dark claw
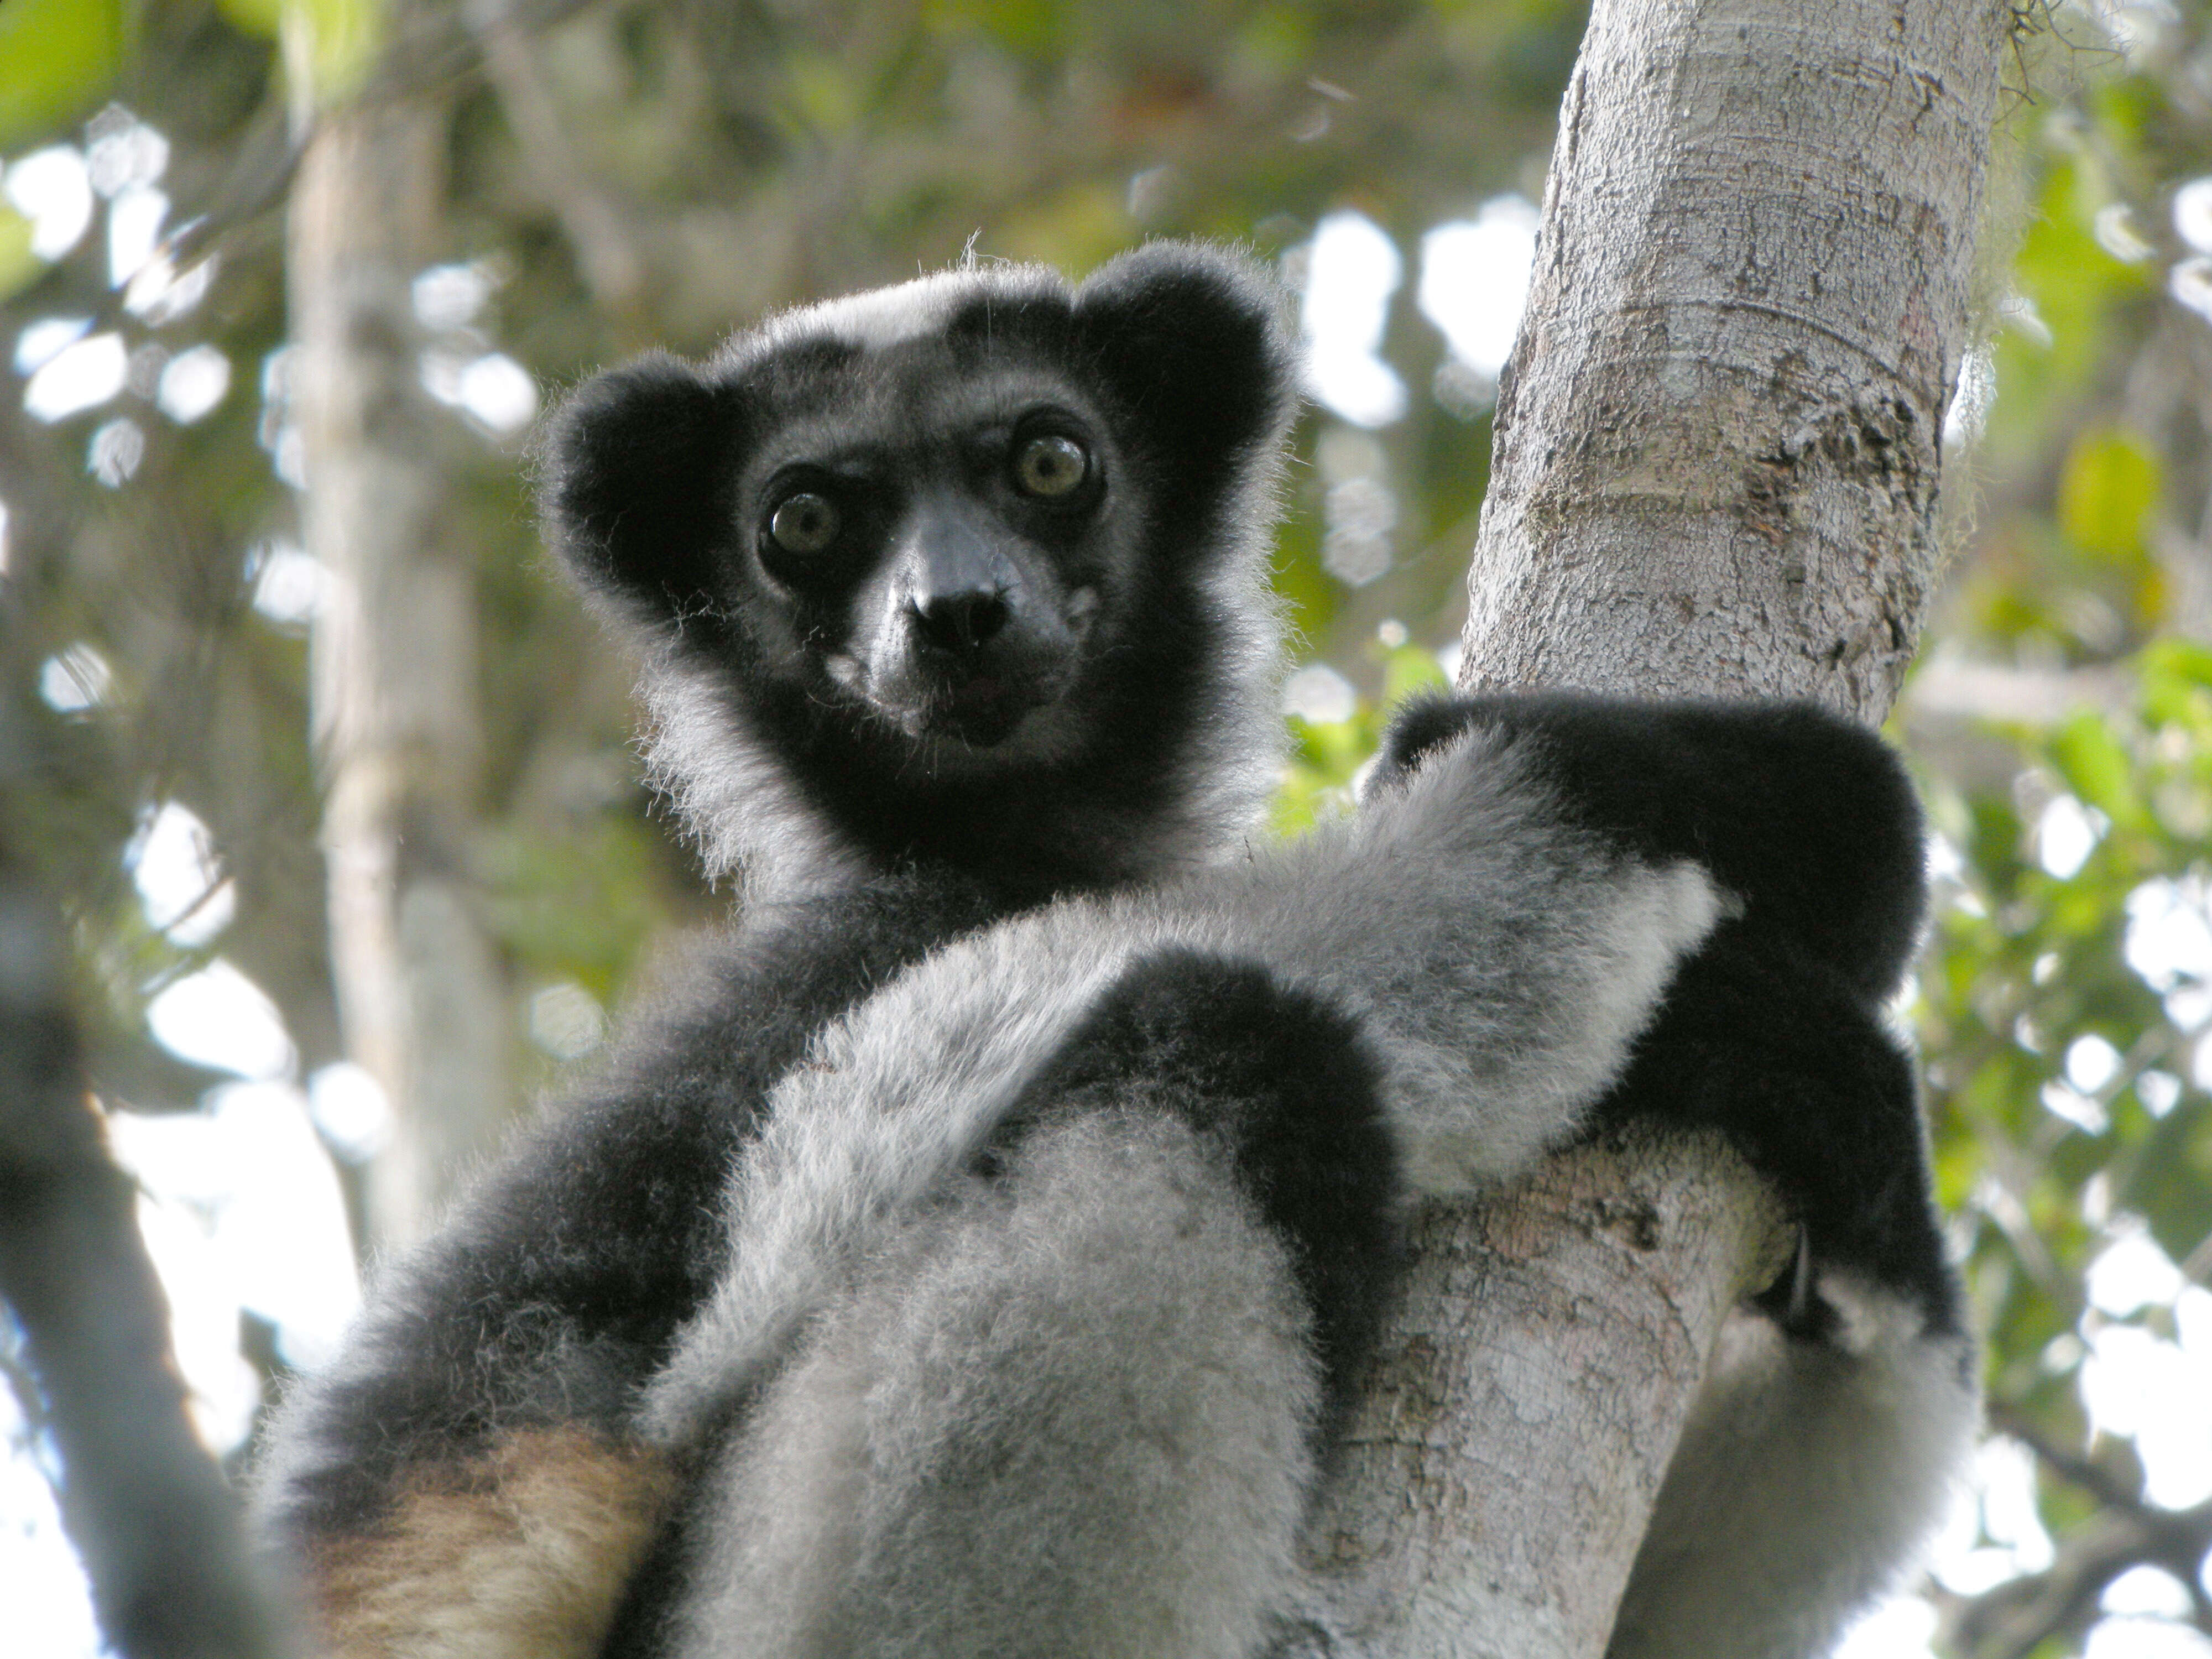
(1793, 1300)
(1798, 1314)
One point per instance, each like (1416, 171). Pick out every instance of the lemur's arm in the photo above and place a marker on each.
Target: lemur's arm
(1060, 1194)
(1043, 1281)
(1841, 1404)
(470, 1445)
(1774, 1031)
(1808, 819)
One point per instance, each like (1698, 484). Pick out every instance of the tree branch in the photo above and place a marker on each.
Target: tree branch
(142, 1501)
(1533, 1339)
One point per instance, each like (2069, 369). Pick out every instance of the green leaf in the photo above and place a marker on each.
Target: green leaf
(333, 43)
(1031, 29)
(577, 902)
(19, 266)
(2107, 493)
(2176, 675)
(825, 93)
(263, 17)
(1275, 42)
(2097, 767)
(1409, 669)
(57, 57)
(347, 36)
(2172, 1183)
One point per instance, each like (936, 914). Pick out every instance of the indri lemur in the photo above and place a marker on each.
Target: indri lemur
(952, 598)
(1051, 1248)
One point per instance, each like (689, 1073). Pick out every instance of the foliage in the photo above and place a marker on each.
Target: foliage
(1326, 756)
(726, 158)
(61, 56)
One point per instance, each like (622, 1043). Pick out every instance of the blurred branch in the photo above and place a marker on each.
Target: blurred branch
(142, 1501)
(2100, 1483)
(599, 234)
(1948, 685)
(2013, 1620)
(1959, 715)
(397, 701)
(267, 157)
(435, 52)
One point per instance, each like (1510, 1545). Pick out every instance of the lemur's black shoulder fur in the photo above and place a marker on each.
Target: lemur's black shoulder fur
(950, 597)
(1833, 848)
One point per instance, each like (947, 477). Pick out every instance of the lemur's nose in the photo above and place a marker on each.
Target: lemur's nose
(962, 623)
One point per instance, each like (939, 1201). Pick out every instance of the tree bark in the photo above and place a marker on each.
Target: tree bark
(1718, 446)
(394, 676)
(141, 1499)
(1516, 1432)
(1717, 451)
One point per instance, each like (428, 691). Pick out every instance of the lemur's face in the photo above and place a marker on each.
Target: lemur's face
(940, 548)
(971, 529)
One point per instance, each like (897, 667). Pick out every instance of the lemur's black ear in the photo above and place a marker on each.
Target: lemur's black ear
(1194, 341)
(634, 475)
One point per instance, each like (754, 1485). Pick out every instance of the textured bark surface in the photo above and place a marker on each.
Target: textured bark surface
(420, 993)
(1715, 468)
(1518, 1417)
(1718, 446)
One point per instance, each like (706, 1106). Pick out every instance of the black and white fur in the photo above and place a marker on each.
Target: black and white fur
(818, 718)
(1050, 1267)
(1052, 1247)
(1840, 1407)
(970, 699)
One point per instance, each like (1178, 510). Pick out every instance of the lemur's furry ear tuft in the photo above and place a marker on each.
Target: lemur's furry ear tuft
(635, 473)
(1194, 342)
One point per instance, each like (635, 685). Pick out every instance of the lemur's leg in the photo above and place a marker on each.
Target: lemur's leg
(1073, 1407)
(464, 1476)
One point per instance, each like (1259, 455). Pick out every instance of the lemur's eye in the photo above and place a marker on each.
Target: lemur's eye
(1050, 465)
(804, 523)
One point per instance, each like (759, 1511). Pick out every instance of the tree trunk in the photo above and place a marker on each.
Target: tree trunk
(1718, 450)
(420, 989)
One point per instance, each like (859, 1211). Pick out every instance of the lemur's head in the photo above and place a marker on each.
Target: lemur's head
(971, 568)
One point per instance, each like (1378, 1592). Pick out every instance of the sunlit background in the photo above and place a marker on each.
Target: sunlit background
(2061, 722)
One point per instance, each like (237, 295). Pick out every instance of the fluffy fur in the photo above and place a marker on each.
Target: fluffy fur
(800, 730)
(1498, 959)
(1838, 1410)
(1808, 1474)
(523, 1550)
(973, 1260)
(970, 699)
(915, 1411)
